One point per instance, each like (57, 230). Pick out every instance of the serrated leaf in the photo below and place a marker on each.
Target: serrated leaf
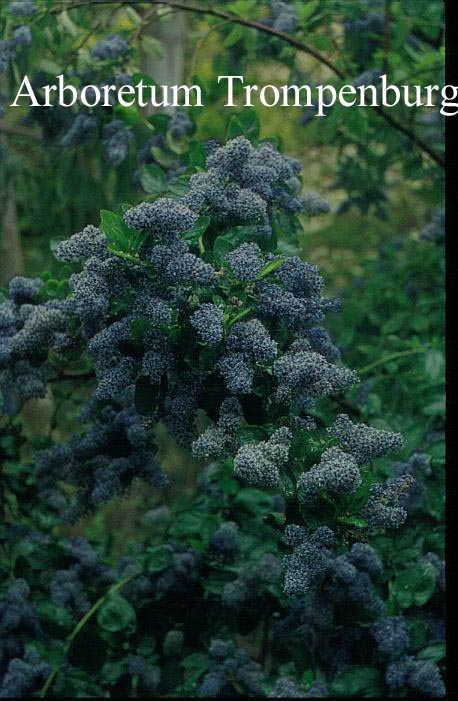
(116, 614)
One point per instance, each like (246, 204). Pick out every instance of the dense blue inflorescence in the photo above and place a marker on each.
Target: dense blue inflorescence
(112, 47)
(227, 663)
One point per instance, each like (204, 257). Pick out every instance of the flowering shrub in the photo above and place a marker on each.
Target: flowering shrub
(181, 308)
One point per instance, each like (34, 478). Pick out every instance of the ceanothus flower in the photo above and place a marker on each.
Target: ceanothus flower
(259, 463)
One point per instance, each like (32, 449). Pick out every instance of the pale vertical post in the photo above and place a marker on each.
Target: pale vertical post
(168, 70)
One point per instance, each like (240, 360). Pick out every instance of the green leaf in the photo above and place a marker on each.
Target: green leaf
(417, 632)
(158, 558)
(115, 229)
(159, 121)
(270, 267)
(234, 128)
(199, 228)
(192, 522)
(435, 408)
(432, 653)
(352, 521)
(221, 247)
(254, 500)
(197, 155)
(236, 34)
(283, 222)
(244, 123)
(55, 615)
(434, 364)
(116, 615)
(152, 179)
(357, 681)
(251, 433)
(151, 46)
(287, 484)
(54, 289)
(276, 519)
(415, 585)
(195, 665)
(250, 124)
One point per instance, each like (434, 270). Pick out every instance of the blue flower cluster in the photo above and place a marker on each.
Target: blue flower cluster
(208, 322)
(435, 230)
(180, 125)
(18, 620)
(336, 473)
(21, 36)
(103, 461)
(185, 333)
(284, 16)
(230, 663)
(285, 688)
(243, 183)
(23, 675)
(28, 330)
(111, 48)
(22, 8)
(364, 442)
(418, 466)
(253, 579)
(224, 543)
(329, 586)
(259, 463)
(391, 635)
(303, 375)
(219, 440)
(310, 557)
(417, 675)
(116, 137)
(386, 505)
(172, 645)
(246, 261)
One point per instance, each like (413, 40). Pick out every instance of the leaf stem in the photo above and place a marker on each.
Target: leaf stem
(80, 625)
(387, 358)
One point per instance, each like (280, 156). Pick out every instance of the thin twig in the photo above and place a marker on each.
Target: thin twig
(201, 42)
(386, 359)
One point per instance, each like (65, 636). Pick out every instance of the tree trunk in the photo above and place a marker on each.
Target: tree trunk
(11, 258)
